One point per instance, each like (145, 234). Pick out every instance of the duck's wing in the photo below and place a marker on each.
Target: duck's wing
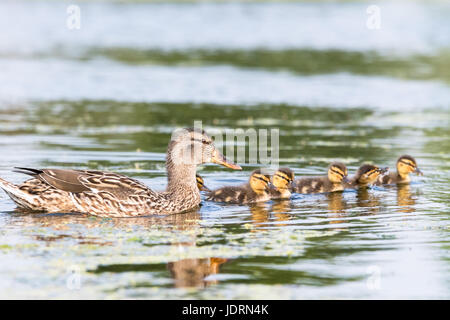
(35, 186)
(79, 181)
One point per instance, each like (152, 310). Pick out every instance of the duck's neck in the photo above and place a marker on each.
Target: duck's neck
(284, 192)
(403, 177)
(356, 182)
(181, 178)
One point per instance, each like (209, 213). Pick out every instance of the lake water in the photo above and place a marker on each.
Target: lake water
(108, 95)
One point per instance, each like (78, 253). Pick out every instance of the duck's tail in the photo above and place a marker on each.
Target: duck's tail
(20, 197)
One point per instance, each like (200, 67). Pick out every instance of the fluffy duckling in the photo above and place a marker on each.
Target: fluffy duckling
(334, 181)
(405, 165)
(366, 175)
(201, 183)
(282, 181)
(256, 190)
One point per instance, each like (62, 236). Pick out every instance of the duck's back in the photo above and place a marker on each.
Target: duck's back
(277, 194)
(233, 194)
(391, 178)
(44, 197)
(386, 179)
(313, 185)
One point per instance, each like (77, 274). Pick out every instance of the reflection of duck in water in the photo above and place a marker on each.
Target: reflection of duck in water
(337, 206)
(337, 175)
(260, 213)
(336, 203)
(256, 190)
(405, 201)
(186, 272)
(405, 165)
(192, 272)
(281, 206)
(366, 199)
(281, 209)
(68, 224)
(109, 194)
(366, 175)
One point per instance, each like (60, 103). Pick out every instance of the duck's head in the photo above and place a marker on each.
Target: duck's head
(201, 184)
(406, 165)
(192, 146)
(368, 174)
(259, 182)
(283, 179)
(337, 172)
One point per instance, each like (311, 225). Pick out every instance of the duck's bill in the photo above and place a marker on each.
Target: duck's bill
(345, 180)
(418, 172)
(219, 158)
(205, 188)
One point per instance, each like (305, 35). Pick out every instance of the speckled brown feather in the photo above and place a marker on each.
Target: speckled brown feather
(236, 195)
(36, 195)
(316, 185)
(333, 181)
(243, 194)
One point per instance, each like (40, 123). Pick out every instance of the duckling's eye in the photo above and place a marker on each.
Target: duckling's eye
(338, 172)
(288, 179)
(409, 164)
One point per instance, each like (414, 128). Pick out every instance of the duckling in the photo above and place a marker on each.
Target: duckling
(282, 181)
(366, 175)
(201, 183)
(334, 181)
(405, 165)
(108, 194)
(256, 190)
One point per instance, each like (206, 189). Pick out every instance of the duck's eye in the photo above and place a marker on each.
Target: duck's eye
(204, 141)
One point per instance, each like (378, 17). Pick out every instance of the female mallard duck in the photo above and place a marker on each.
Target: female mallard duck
(201, 183)
(256, 190)
(366, 175)
(113, 195)
(282, 181)
(405, 165)
(334, 181)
